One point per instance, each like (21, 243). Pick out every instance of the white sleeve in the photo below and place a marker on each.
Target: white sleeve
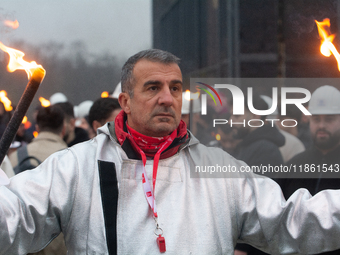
(302, 224)
(36, 205)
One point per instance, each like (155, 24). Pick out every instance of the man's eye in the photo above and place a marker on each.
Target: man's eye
(153, 88)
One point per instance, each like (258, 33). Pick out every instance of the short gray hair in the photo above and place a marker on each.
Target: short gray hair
(155, 55)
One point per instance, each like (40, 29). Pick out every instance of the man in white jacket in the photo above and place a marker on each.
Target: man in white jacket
(129, 190)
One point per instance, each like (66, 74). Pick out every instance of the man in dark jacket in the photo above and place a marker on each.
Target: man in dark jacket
(323, 156)
(73, 134)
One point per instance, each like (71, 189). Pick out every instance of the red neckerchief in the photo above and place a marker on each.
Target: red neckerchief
(149, 145)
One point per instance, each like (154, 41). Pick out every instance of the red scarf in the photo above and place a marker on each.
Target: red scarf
(149, 145)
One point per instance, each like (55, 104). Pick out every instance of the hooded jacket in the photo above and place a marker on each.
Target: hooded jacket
(93, 193)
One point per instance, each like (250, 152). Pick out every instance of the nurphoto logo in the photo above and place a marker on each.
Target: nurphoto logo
(240, 93)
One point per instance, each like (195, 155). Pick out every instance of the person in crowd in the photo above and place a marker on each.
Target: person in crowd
(324, 127)
(293, 145)
(73, 134)
(102, 111)
(129, 189)
(81, 112)
(301, 130)
(50, 127)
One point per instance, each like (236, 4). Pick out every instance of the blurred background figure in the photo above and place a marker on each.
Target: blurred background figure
(324, 127)
(301, 131)
(50, 127)
(73, 134)
(81, 113)
(102, 111)
(293, 145)
(259, 145)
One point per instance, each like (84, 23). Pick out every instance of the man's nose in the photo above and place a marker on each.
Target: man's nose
(165, 97)
(322, 124)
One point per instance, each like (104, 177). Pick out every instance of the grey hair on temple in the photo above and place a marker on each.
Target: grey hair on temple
(155, 55)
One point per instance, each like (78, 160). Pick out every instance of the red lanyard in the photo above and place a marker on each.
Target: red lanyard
(150, 193)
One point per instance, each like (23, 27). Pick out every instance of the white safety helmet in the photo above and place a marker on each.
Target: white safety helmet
(58, 98)
(325, 100)
(83, 109)
(117, 91)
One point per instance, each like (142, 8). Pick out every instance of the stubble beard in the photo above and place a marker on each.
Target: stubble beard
(327, 143)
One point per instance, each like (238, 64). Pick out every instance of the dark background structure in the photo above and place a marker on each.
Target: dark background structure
(246, 38)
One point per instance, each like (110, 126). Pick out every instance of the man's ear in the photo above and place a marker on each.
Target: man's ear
(63, 131)
(95, 125)
(124, 101)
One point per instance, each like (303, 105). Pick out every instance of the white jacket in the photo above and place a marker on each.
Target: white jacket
(69, 190)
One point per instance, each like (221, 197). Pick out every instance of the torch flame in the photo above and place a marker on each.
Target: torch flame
(24, 120)
(105, 94)
(35, 133)
(16, 61)
(11, 24)
(327, 48)
(44, 102)
(4, 99)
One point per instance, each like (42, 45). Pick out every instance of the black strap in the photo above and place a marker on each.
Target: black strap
(109, 194)
(24, 160)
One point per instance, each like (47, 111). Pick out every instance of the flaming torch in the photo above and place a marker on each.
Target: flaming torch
(35, 74)
(327, 48)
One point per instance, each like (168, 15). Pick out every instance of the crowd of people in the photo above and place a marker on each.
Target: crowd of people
(99, 197)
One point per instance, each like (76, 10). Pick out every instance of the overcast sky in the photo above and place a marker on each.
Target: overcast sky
(121, 27)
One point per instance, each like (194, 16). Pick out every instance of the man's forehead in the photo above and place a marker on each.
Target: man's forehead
(145, 67)
(325, 116)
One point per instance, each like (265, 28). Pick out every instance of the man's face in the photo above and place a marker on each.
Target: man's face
(325, 130)
(155, 108)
